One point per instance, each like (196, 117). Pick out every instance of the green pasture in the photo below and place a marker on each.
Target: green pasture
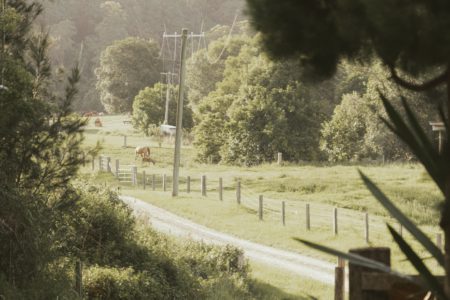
(323, 187)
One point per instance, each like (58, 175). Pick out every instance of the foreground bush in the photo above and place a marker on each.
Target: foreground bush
(115, 283)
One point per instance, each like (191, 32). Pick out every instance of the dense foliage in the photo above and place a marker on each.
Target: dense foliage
(48, 220)
(126, 67)
(149, 108)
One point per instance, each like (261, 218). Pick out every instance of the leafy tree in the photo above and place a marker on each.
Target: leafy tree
(343, 135)
(149, 108)
(126, 67)
(39, 154)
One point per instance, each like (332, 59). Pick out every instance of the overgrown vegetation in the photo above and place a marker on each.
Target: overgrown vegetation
(48, 220)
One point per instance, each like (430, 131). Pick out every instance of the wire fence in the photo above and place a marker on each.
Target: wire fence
(310, 216)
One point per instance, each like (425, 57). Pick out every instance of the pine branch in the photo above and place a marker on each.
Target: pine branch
(418, 87)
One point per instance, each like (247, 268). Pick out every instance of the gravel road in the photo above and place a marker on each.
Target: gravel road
(170, 223)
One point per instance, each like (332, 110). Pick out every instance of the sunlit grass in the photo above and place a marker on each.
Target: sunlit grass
(323, 186)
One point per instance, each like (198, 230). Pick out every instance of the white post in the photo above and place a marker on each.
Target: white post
(280, 158)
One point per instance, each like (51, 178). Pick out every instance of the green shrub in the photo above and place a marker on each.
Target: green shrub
(124, 283)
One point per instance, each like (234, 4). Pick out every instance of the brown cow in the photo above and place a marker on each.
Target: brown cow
(148, 159)
(142, 151)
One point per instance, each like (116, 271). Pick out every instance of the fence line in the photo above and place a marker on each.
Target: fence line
(312, 216)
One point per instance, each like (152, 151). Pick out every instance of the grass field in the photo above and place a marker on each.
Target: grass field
(322, 186)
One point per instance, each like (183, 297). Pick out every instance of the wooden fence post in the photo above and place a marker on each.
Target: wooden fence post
(153, 182)
(279, 158)
(117, 168)
(188, 184)
(335, 221)
(79, 278)
(308, 217)
(238, 192)
(356, 273)
(439, 241)
(366, 227)
(283, 213)
(203, 185)
(144, 179)
(220, 189)
(339, 280)
(134, 172)
(260, 208)
(108, 164)
(164, 182)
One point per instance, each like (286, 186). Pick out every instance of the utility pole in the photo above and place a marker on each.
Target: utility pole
(176, 159)
(169, 81)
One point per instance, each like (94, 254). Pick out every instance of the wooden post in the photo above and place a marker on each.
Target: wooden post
(124, 141)
(220, 189)
(134, 172)
(439, 241)
(79, 278)
(366, 227)
(308, 217)
(108, 164)
(280, 158)
(339, 280)
(283, 213)
(153, 182)
(356, 291)
(117, 168)
(335, 222)
(260, 208)
(164, 182)
(93, 163)
(203, 185)
(188, 184)
(144, 179)
(238, 192)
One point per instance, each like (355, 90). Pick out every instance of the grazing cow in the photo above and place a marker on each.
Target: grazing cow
(142, 151)
(148, 159)
(98, 122)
